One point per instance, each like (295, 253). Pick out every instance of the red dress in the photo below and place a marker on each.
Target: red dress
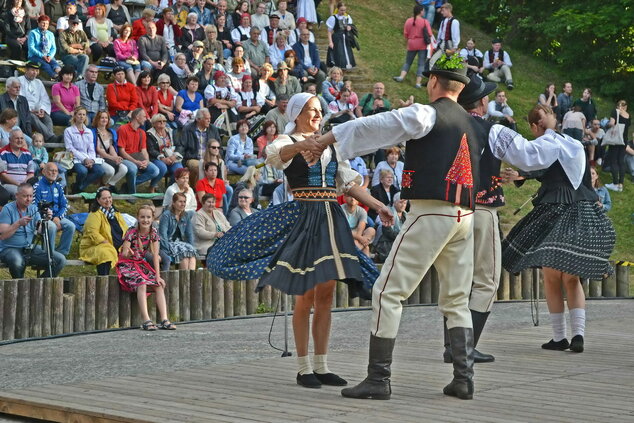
(135, 271)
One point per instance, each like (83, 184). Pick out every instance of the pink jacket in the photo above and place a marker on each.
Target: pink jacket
(124, 50)
(414, 33)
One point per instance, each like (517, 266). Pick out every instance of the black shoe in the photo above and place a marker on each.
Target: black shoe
(557, 346)
(112, 189)
(510, 86)
(330, 379)
(308, 381)
(576, 344)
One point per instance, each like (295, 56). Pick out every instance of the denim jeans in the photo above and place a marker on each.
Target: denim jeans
(16, 260)
(430, 13)
(48, 67)
(165, 260)
(60, 118)
(87, 176)
(77, 61)
(167, 170)
(65, 241)
(151, 173)
(409, 59)
(226, 199)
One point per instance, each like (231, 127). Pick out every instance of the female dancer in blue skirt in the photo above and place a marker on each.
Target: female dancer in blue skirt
(303, 247)
(567, 233)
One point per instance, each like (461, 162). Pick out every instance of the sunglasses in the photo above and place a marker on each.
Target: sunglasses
(242, 197)
(214, 147)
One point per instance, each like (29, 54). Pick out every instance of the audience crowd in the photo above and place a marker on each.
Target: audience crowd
(198, 90)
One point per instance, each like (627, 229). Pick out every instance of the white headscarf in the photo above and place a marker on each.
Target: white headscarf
(294, 108)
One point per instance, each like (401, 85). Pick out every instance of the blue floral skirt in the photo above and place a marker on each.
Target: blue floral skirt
(293, 247)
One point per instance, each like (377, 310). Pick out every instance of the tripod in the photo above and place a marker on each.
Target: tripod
(45, 242)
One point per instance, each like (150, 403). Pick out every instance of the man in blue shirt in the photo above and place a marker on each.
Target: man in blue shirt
(50, 191)
(19, 220)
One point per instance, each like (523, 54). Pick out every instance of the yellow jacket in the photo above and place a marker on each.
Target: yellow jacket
(92, 248)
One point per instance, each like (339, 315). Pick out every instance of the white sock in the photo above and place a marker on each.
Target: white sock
(304, 365)
(578, 321)
(558, 322)
(321, 364)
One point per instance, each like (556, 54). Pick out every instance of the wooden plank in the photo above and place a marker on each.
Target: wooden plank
(342, 295)
(1, 308)
(253, 298)
(173, 288)
(526, 280)
(515, 284)
(91, 297)
(609, 284)
(228, 291)
(622, 281)
(239, 298)
(265, 296)
(196, 303)
(595, 288)
(504, 288)
(425, 290)
(69, 302)
(101, 303)
(125, 309)
(22, 311)
(113, 302)
(435, 285)
(217, 297)
(47, 298)
(135, 311)
(185, 295)
(57, 306)
(207, 296)
(78, 288)
(36, 286)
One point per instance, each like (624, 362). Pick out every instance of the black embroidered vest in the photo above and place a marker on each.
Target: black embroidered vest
(444, 164)
(489, 191)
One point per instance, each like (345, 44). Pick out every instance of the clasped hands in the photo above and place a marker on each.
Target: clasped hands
(311, 148)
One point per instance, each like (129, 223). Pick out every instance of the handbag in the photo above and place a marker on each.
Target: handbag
(109, 162)
(65, 159)
(614, 135)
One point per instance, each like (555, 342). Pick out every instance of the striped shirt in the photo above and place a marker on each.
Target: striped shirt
(19, 167)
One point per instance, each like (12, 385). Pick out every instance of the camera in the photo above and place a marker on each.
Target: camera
(43, 207)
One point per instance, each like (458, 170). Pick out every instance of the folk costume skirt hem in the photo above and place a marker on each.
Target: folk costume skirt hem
(575, 238)
(293, 247)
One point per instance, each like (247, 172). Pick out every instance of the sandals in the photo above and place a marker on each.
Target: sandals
(148, 325)
(167, 325)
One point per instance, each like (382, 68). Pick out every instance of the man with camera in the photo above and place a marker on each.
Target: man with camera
(50, 194)
(19, 222)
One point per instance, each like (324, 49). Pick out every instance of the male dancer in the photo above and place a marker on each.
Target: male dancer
(439, 179)
(487, 247)
(441, 170)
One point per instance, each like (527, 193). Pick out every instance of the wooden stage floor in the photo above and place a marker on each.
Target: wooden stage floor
(525, 384)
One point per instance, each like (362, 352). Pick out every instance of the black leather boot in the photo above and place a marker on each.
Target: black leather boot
(479, 319)
(462, 351)
(377, 384)
(446, 355)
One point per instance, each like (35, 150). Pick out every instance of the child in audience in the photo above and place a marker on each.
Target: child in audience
(136, 275)
(38, 151)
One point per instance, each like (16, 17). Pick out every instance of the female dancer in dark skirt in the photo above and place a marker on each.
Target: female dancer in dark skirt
(567, 233)
(304, 246)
